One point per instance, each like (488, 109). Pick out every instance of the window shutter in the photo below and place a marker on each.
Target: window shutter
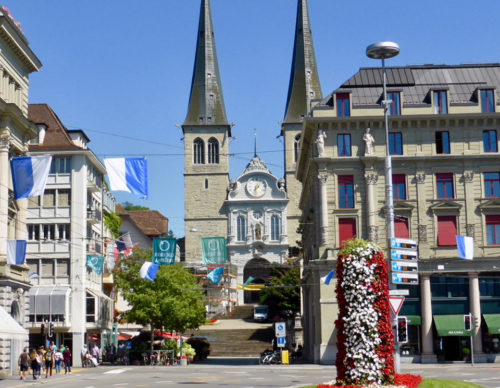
(401, 228)
(447, 230)
(347, 229)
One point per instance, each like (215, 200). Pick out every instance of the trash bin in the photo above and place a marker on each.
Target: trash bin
(284, 357)
(184, 361)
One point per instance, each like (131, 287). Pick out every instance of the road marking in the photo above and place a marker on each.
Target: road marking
(256, 378)
(115, 371)
(119, 384)
(165, 382)
(237, 373)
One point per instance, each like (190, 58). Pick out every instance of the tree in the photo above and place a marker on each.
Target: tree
(113, 223)
(130, 206)
(172, 302)
(282, 294)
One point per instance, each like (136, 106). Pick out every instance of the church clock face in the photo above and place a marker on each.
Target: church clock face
(256, 187)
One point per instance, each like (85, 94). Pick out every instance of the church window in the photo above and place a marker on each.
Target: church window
(296, 148)
(275, 228)
(213, 151)
(206, 184)
(241, 234)
(198, 151)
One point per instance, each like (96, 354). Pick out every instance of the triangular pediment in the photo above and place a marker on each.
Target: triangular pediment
(445, 205)
(490, 204)
(403, 206)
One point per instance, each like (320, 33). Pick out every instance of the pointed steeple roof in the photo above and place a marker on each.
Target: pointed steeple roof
(206, 102)
(304, 81)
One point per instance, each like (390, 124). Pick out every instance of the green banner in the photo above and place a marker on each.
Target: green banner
(214, 250)
(164, 251)
(95, 263)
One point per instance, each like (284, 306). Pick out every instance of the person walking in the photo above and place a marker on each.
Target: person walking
(58, 360)
(95, 354)
(34, 363)
(39, 363)
(24, 363)
(67, 360)
(49, 362)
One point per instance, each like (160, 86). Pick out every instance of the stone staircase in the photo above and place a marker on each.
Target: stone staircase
(238, 342)
(242, 312)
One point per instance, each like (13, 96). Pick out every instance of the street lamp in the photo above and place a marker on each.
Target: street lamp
(383, 51)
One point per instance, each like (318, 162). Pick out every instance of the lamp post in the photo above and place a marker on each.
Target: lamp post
(383, 51)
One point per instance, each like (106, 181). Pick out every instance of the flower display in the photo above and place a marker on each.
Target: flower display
(364, 336)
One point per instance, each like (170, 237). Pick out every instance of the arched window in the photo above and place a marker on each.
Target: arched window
(296, 147)
(198, 151)
(275, 228)
(241, 229)
(213, 151)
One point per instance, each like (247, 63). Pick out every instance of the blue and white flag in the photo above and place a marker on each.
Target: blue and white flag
(216, 275)
(148, 271)
(328, 277)
(465, 246)
(16, 252)
(29, 175)
(124, 242)
(128, 174)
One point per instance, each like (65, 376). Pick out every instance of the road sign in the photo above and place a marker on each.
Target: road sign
(404, 278)
(404, 266)
(280, 329)
(396, 302)
(403, 254)
(399, 292)
(281, 342)
(403, 243)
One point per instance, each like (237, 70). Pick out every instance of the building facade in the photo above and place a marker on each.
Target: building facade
(257, 226)
(17, 62)
(443, 129)
(67, 250)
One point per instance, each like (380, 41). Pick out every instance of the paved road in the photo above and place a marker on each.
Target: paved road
(242, 373)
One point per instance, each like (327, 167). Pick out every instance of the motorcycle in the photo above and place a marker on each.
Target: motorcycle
(270, 357)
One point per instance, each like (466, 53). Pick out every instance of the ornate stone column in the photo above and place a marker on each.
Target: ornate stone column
(475, 309)
(322, 178)
(428, 355)
(371, 178)
(4, 193)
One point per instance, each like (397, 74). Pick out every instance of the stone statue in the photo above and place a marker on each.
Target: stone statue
(258, 233)
(281, 184)
(320, 142)
(369, 141)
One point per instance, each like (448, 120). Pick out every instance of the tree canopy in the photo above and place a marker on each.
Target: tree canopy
(282, 294)
(172, 302)
(130, 206)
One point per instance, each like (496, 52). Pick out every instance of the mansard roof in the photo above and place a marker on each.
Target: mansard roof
(206, 101)
(416, 82)
(304, 81)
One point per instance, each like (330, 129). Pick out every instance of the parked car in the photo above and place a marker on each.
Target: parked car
(260, 313)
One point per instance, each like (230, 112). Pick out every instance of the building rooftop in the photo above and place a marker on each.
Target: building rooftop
(150, 222)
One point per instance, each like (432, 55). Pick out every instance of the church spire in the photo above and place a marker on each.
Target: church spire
(304, 81)
(206, 102)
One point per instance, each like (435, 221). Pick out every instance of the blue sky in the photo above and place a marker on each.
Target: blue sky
(121, 69)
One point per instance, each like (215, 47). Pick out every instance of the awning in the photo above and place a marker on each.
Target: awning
(49, 300)
(10, 329)
(414, 320)
(450, 326)
(493, 323)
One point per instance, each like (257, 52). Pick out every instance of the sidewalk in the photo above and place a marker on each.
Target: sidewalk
(13, 381)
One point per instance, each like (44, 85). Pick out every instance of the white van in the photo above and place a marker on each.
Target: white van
(260, 313)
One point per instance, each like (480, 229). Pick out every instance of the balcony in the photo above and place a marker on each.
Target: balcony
(94, 247)
(94, 216)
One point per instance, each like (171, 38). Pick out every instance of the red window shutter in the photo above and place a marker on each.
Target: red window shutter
(401, 228)
(346, 180)
(447, 231)
(493, 219)
(347, 230)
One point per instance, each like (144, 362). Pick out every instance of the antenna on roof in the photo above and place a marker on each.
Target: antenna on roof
(255, 143)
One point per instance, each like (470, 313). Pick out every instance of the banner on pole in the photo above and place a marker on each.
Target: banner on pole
(164, 251)
(213, 250)
(95, 263)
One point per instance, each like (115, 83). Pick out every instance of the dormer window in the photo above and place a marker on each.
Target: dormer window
(343, 107)
(440, 102)
(395, 105)
(487, 101)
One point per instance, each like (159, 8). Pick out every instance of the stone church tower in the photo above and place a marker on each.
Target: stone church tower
(206, 137)
(304, 86)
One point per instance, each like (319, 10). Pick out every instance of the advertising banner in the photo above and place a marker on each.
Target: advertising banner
(213, 250)
(164, 251)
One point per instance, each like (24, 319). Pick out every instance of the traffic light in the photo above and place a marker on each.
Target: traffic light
(402, 330)
(42, 329)
(467, 323)
(51, 330)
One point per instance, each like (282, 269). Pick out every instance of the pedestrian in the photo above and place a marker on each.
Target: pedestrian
(24, 363)
(85, 351)
(58, 360)
(95, 354)
(53, 346)
(34, 363)
(43, 351)
(49, 362)
(40, 363)
(112, 354)
(67, 360)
